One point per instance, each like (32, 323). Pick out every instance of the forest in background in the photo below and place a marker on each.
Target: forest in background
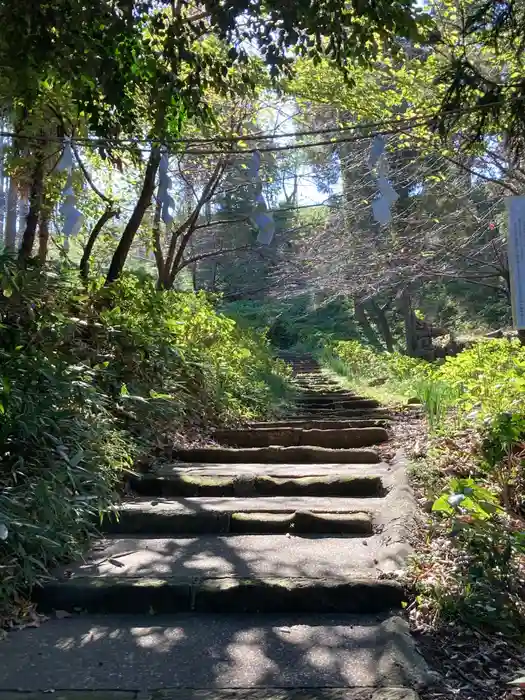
(213, 158)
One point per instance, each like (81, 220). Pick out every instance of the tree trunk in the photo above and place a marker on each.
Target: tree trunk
(409, 319)
(382, 324)
(362, 319)
(35, 206)
(10, 219)
(97, 229)
(157, 246)
(148, 186)
(43, 235)
(2, 182)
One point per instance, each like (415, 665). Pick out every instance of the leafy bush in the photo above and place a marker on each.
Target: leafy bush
(485, 380)
(486, 584)
(89, 383)
(480, 394)
(363, 361)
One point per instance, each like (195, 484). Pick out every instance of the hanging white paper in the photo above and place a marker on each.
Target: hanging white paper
(66, 159)
(73, 218)
(377, 150)
(381, 211)
(387, 190)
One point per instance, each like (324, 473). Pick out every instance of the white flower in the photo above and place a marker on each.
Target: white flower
(4, 532)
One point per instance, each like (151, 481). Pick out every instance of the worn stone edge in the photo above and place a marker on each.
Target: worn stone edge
(218, 694)
(397, 520)
(220, 594)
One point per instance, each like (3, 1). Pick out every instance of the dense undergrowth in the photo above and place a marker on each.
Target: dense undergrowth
(91, 382)
(298, 323)
(471, 565)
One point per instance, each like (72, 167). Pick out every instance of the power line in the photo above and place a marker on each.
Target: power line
(230, 151)
(377, 127)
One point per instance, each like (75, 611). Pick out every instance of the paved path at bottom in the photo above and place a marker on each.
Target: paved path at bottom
(259, 569)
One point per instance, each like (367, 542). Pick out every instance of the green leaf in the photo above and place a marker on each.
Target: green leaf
(442, 505)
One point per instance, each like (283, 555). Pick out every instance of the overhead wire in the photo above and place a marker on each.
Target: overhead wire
(377, 127)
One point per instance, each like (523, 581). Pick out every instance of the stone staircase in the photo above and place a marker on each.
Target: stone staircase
(255, 570)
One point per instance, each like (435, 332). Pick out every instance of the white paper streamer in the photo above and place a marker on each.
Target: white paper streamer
(386, 189)
(66, 159)
(381, 210)
(381, 206)
(73, 218)
(377, 150)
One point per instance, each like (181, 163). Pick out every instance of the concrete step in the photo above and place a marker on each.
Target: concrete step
(224, 694)
(338, 395)
(317, 387)
(326, 391)
(223, 594)
(219, 657)
(309, 424)
(311, 413)
(316, 380)
(334, 402)
(254, 480)
(235, 573)
(291, 436)
(262, 515)
(276, 454)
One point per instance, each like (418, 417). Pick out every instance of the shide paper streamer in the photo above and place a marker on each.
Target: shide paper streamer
(73, 218)
(247, 174)
(381, 206)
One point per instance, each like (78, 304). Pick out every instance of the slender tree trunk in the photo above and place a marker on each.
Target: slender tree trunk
(362, 319)
(35, 206)
(2, 182)
(382, 324)
(409, 318)
(43, 235)
(10, 218)
(148, 186)
(96, 231)
(157, 246)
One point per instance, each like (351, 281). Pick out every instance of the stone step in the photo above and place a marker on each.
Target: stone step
(322, 391)
(254, 480)
(338, 394)
(224, 594)
(335, 402)
(234, 573)
(317, 388)
(309, 413)
(297, 515)
(316, 380)
(277, 454)
(213, 657)
(311, 375)
(295, 436)
(223, 694)
(308, 424)
(306, 368)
